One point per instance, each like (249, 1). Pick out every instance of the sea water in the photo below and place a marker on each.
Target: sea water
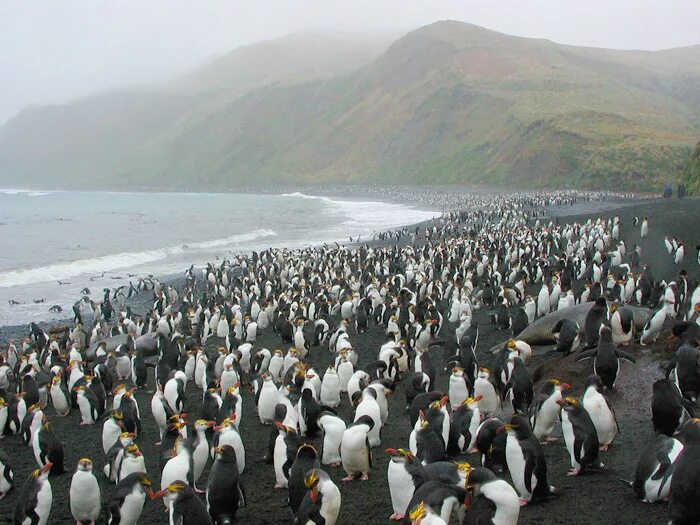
(106, 239)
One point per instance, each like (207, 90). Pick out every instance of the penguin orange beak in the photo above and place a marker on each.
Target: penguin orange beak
(478, 398)
(565, 386)
(314, 494)
(47, 467)
(561, 402)
(159, 494)
(391, 451)
(444, 400)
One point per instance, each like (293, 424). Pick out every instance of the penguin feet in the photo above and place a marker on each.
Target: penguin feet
(280, 486)
(334, 465)
(396, 517)
(83, 423)
(604, 448)
(473, 450)
(523, 502)
(550, 439)
(573, 472)
(364, 477)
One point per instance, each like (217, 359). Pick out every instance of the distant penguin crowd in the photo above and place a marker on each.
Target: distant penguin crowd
(475, 451)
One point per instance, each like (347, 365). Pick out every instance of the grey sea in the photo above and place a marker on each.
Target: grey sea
(105, 239)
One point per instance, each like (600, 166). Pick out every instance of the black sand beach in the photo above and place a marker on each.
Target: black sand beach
(597, 497)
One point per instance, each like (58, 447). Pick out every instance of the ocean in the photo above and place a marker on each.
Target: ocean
(98, 239)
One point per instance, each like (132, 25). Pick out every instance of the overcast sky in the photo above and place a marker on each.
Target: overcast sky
(53, 51)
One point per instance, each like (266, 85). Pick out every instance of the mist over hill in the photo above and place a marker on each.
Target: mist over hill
(449, 103)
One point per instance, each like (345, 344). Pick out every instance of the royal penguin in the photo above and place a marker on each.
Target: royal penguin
(185, 507)
(494, 500)
(567, 334)
(267, 399)
(622, 324)
(333, 428)
(669, 409)
(652, 328)
(133, 461)
(33, 506)
(48, 449)
(305, 459)
(600, 412)
(126, 501)
(179, 468)
(463, 427)
(7, 475)
(225, 492)
(84, 494)
(321, 503)
(606, 358)
(596, 316)
(485, 386)
(355, 451)
(330, 388)
(524, 455)
(654, 472)
(544, 412)
(580, 436)
(684, 504)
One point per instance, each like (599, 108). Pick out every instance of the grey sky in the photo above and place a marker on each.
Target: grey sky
(52, 51)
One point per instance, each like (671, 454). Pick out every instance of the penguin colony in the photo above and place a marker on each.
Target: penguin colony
(475, 452)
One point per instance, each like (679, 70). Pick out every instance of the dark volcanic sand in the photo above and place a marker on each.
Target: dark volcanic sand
(597, 497)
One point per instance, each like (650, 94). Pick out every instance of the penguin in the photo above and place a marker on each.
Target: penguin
(654, 472)
(519, 388)
(567, 335)
(434, 502)
(684, 507)
(59, 397)
(544, 413)
(580, 436)
(48, 449)
(174, 392)
(7, 475)
(227, 434)
(644, 230)
(429, 444)
(652, 329)
(525, 460)
(33, 506)
(600, 412)
(622, 325)
(200, 448)
(185, 507)
(686, 372)
(321, 503)
(368, 406)
(330, 388)
(306, 459)
(485, 386)
(284, 449)
(355, 452)
(179, 468)
(606, 358)
(459, 387)
(84, 494)
(268, 397)
(225, 492)
(520, 321)
(139, 371)
(494, 500)
(126, 502)
(88, 404)
(596, 316)
(132, 461)
(463, 428)
(333, 428)
(669, 409)
(111, 430)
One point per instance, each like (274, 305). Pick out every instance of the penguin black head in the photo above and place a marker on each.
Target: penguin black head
(479, 476)
(307, 451)
(364, 420)
(605, 334)
(226, 453)
(595, 381)
(519, 425)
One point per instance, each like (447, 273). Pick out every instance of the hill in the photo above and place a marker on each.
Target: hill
(448, 103)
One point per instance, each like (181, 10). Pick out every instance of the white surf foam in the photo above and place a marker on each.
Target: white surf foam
(118, 261)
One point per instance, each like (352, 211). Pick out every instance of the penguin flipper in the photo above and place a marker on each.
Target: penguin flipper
(621, 354)
(243, 497)
(588, 354)
(369, 452)
(530, 463)
(664, 464)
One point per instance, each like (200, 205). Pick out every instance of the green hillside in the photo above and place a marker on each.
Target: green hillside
(447, 103)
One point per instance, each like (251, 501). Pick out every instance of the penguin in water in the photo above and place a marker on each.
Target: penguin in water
(34, 503)
(544, 413)
(669, 409)
(600, 412)
(526, 462)
(606, 358)
(355, 452)
(185, 506)
(321, 503)
(225, 493)
(567, 333)
(652, 478)
(684, 505)
(580, 436)
(126, 502)
(494, 500)
(84, 494)
(7, 475)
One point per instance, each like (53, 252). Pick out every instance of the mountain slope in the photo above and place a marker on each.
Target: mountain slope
(447, 103)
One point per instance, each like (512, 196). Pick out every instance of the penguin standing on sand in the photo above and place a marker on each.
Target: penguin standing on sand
(485, 386)
(463, 428)
(526, 462)
(596, 316)
(622, 324)
(322, 500)
(126, 502)
(494, 501)
(652, 329)
(333, 428)
(88, 404)
(519, 388)
(669, 409)
(606, 358)
(185, 506)
(544, 413)
(686, 372)
(33, 505)
(601, 413)
(225, 493)
(6, 474)
(355, 451)
(84, 494)
(652, 478)
(579, 436)
(48, 450)
(305, 460)
(685, 485)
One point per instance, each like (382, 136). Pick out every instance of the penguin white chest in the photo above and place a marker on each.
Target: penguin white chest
(401, 487)
(516, 466)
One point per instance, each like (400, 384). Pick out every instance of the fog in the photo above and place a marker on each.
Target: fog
(54, 51)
